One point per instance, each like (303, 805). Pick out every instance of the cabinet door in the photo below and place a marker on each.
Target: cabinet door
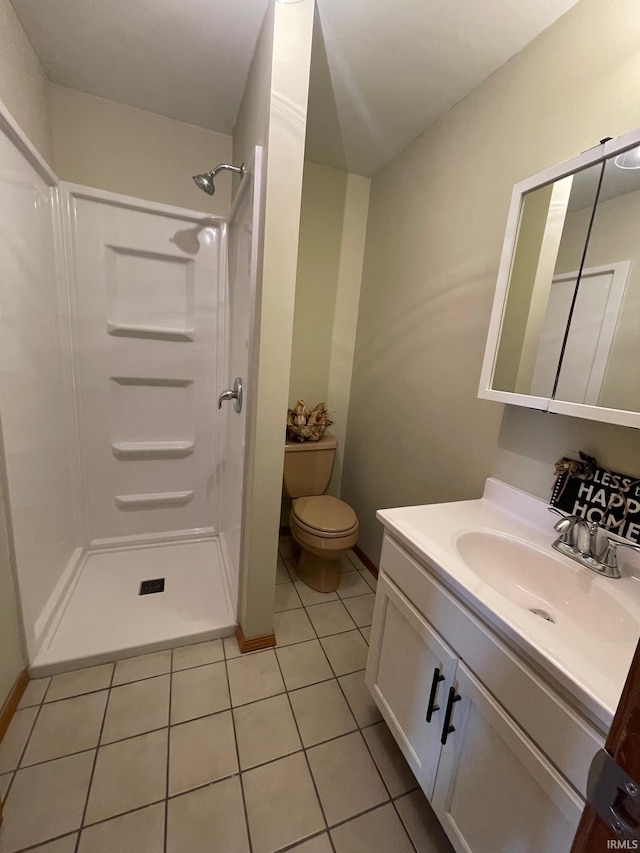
(495, 791)
(406, 660)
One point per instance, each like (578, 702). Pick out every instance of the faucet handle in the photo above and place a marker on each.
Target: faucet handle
(609, 556)
(565, 527)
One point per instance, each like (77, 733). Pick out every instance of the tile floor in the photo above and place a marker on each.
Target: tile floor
(202, 750)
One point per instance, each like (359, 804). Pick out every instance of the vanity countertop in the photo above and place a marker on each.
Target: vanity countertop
(589, 647)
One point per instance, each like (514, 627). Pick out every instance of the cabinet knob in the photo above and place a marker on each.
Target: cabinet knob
(437, 678)
(448, 728)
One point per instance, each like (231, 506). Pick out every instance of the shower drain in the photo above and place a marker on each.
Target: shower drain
(541, 613)
(149, 587)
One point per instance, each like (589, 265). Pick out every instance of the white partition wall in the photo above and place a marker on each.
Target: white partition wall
(146, 286)
(239, 306)
(36, 406)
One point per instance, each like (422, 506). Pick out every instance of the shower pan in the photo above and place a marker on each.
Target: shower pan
(123, 320)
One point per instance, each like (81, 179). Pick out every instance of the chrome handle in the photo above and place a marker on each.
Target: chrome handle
(609, 556)
(235, 395)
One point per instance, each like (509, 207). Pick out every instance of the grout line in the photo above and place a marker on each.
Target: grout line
(239, 774)
(402, 824)
(18, 766)
(306, 839)
(306, 757)
(40, 844)
(95, 760)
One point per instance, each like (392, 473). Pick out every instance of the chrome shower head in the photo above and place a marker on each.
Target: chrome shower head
(205, 180)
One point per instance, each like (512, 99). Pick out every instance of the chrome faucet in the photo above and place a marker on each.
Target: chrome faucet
(578, 540)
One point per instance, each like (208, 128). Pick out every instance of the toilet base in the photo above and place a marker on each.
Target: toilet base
(317, 572)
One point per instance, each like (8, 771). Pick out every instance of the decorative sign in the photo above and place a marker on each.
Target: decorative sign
(588, 491)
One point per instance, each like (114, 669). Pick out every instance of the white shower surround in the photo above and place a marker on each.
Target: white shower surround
(39, 388)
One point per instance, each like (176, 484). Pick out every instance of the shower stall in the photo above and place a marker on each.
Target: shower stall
(121, 321)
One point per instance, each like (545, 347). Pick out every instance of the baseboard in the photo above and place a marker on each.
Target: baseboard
(365, 560)
(12, 701)
(266, 641)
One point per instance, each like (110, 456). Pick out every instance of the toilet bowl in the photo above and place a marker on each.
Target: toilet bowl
(323, 526)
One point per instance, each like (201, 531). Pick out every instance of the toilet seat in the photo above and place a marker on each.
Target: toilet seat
(324, 516)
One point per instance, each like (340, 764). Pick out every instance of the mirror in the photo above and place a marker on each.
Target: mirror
(605, 326)
(565, 329)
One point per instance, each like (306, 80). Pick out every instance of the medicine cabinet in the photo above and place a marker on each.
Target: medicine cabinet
(564, 334)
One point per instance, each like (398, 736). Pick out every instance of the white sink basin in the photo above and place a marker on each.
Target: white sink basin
(546, 585)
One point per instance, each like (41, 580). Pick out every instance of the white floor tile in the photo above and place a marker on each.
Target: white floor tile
(15, 739)
(319, 844)
(34, 693)
(142, 666)
(135, 708)
(207, 820)
(282, 805)
(45, 801)
(265, 730)
(380, 829)
(361, 608)
(286, 597)
(352, 584)
(346, 777)
(67, 844)
(346, 652)
(200, 752)
(141, 831)
(310, 596)
(254, 677)
(128, 774)
(359, 698)
(186, 657)
(292, 626)
(79, 681)
(71, 725)
(303, 664)
(198, 692)
(321, 712)
(330, 618)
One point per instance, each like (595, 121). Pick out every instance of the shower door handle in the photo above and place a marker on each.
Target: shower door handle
(235, 394)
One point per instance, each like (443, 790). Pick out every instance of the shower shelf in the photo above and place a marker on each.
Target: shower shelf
(160, 333)
(152, 449)
(153, 499)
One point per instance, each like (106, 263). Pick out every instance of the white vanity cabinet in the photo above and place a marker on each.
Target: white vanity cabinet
(410, 676)
(510, 776)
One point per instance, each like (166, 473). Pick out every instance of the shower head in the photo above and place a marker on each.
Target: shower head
(205, 180)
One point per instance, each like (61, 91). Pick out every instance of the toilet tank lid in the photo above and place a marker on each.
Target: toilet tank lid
(324, 512)
(327, 442)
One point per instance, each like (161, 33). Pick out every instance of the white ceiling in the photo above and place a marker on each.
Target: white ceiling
(185, 59)
(382, 70)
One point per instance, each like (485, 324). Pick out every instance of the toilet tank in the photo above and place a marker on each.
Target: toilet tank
(308, 466)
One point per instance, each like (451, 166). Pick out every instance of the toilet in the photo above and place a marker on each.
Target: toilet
(324, 527)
